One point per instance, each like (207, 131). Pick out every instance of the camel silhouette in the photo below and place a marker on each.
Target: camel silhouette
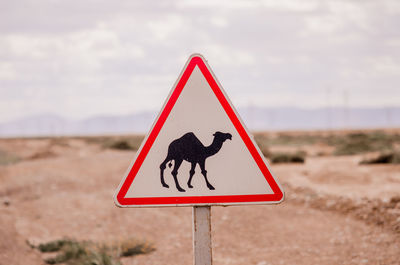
(189, 148)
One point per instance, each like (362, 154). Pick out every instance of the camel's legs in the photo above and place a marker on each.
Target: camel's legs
(191, 175)
(174, 173)
(204, 172)
(162, 167)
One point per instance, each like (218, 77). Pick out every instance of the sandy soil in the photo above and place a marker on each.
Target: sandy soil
(331, 214)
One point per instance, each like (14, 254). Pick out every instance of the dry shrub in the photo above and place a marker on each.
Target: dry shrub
(298, 157)
(121, 145)
(73, 252)
(263, 142)
(59, 141)
(384, 158)
(354, 144)
(52, 246)
(131, 143)
(362, 142)
(131, 247)
(294, 140)
(42, 155)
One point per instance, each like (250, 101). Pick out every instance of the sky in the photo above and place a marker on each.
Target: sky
(83, 58)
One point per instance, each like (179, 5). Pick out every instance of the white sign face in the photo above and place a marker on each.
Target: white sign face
(198, 152)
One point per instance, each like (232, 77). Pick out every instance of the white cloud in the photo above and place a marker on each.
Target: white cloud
(306, 5)
(231, 4)
(325, 24)
(219, 22)
(7, 71)
(385, 65)
(81, 58)
(165, 27)
(227, 56)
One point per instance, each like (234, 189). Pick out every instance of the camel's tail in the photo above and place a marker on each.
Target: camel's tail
(170, 164)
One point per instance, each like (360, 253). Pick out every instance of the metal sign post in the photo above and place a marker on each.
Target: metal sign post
(202, 235)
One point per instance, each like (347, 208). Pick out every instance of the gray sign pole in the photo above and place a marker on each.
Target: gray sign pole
(202, 235)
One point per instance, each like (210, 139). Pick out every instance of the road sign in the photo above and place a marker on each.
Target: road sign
(198, 151)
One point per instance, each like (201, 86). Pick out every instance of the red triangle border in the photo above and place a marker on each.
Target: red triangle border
(276, 197)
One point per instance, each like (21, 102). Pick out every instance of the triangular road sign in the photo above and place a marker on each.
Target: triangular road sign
(198, 151)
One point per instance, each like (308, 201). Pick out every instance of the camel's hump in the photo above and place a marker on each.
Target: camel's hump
(189, 137)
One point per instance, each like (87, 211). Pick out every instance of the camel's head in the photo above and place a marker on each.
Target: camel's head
(222, 136)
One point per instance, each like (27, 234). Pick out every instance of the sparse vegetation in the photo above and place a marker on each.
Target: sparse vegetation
(384, 158)
(60, 141)
(356, 143)
(52, 246)
(131, 143)
(292, 140)
(73, 252)
(132, 247)
(42, 155)
(298, 157)
(353, 148)
(345, 143)
(121, 145)
(7, 158)
(262, 142)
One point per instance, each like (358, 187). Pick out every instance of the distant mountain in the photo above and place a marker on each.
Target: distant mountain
(320, 118)
(256, 118)
(52, 125)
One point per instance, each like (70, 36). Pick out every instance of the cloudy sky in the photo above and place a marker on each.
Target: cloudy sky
(83, 58)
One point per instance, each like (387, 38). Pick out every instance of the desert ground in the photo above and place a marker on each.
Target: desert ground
(336, 210)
